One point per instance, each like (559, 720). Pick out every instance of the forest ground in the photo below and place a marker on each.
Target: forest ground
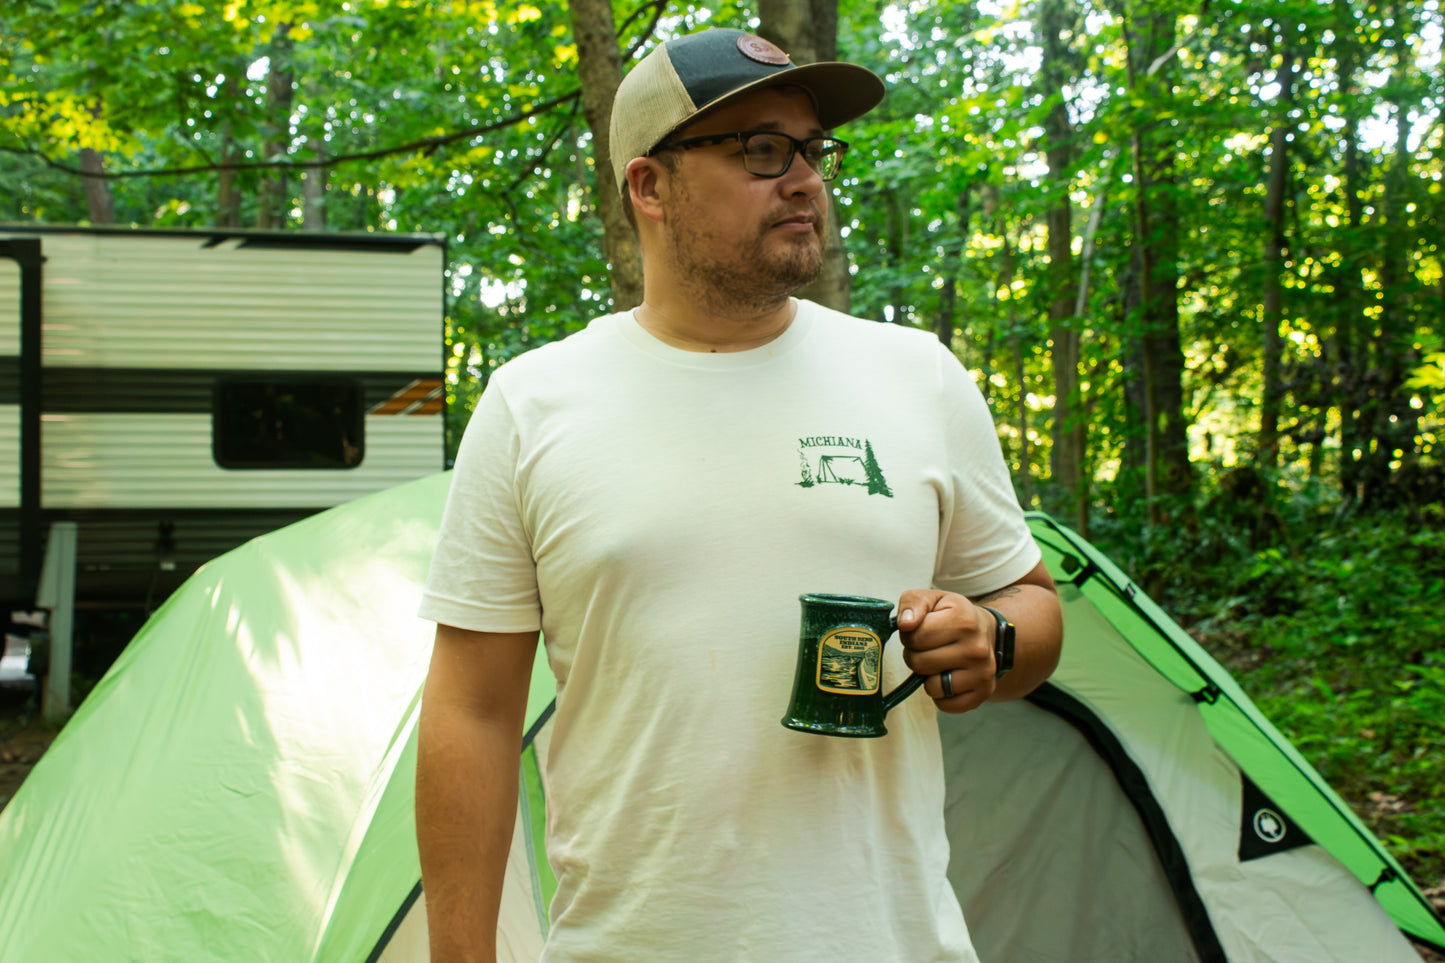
(23, 740)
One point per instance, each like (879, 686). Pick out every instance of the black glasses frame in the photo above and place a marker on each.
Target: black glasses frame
(832, 147)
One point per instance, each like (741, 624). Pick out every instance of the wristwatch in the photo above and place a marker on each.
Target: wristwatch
(1003, 643)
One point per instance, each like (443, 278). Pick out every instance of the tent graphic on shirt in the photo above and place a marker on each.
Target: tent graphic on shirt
(240, 785)
(842, 469)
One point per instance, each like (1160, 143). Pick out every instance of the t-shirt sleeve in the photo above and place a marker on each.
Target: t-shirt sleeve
(482, 574)
(984, 540)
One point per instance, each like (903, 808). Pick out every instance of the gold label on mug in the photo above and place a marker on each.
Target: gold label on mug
(849, 661)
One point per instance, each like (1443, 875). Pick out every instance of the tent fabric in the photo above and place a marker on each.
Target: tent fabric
(226, 791)
(1102, 606)
(1067, 836)
(1183, 841)
(239, 786)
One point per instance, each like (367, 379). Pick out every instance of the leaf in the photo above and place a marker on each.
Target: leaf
(525, 13)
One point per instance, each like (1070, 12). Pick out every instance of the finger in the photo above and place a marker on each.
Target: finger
(946, 618)
(965, 655)
(952, 620)
(964, 692)
(913, 605)
(939, 629)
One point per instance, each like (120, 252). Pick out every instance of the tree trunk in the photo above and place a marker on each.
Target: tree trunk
(1353, 334)
(1272, 400)
(228, 195)
(947, 312)
(313, 194)
(1024, 475)
(1348, 307)
(1066, 456)
(1166, 449)
(947, 318)
(1081, 303)
(1391, 422)
(599, 66)
(1373, 345)
(895, 211)
(1008, 269)
(808, 31)
(99, 203)
(316, 178)
(271, 197)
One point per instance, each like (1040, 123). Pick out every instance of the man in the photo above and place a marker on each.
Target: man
(653, 494)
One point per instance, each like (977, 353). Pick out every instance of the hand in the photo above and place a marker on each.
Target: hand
(945, 632)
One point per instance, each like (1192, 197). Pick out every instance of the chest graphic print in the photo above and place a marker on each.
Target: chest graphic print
(839, 460)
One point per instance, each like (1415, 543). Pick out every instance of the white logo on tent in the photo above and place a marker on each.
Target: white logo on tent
(1269, 825)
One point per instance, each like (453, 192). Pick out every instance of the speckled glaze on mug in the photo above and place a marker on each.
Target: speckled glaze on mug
(837, 690)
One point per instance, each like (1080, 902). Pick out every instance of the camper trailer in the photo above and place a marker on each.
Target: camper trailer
(166, 396)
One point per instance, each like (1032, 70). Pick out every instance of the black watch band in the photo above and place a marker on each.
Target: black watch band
(1003, 644)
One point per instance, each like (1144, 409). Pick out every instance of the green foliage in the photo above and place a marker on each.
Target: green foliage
(1430, 376)
(947, 191)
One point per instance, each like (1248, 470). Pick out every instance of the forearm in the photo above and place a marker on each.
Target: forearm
(466, 806)
(469, 742)
(1039, 628)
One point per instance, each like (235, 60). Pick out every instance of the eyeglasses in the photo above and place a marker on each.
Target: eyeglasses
(770, 153)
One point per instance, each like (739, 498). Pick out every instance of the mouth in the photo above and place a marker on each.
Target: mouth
(797, 222)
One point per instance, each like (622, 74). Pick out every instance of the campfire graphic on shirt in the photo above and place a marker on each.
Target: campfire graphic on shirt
(839, 460)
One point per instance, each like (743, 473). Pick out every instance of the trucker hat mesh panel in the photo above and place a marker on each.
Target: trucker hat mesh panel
(656, 97)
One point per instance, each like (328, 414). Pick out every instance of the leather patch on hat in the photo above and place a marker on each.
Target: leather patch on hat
(764, 52)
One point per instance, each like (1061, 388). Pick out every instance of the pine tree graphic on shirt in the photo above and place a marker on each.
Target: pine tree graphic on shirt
(877, 484)
(841, 460)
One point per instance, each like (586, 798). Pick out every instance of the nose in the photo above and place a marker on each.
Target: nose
(800, 178)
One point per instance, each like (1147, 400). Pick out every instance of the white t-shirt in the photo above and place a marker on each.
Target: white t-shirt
(657, 513)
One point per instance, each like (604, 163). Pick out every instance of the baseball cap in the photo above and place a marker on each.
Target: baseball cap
(690, 75)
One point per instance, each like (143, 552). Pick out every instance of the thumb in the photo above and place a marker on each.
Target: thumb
(913, 605)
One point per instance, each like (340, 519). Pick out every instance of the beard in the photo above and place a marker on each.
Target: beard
(750, 274)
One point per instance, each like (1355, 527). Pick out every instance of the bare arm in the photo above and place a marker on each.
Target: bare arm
(945, 632)
(469, 742)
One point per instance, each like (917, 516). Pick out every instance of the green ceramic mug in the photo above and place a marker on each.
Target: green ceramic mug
(837, 690)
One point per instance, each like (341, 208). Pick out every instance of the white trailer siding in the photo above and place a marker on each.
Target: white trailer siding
(123, 460)
(10, 430)
(9, 309)
(9, 461)
(9, 384)
(162, 302)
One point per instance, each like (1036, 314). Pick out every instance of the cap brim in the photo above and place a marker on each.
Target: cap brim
(840, 91)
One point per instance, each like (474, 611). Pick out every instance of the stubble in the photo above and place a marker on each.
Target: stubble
(751, 275)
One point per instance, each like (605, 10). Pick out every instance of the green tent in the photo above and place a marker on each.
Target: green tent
(239, 786)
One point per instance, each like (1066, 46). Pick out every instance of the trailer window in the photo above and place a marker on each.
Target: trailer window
(288, 422)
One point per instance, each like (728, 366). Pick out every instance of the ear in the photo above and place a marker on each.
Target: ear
(648, 181)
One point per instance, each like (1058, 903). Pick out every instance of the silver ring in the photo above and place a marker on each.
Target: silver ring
(946, 678)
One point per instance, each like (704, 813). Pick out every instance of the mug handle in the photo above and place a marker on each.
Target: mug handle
(908, 686)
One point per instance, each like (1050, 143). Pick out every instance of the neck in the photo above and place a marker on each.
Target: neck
(694, 326)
